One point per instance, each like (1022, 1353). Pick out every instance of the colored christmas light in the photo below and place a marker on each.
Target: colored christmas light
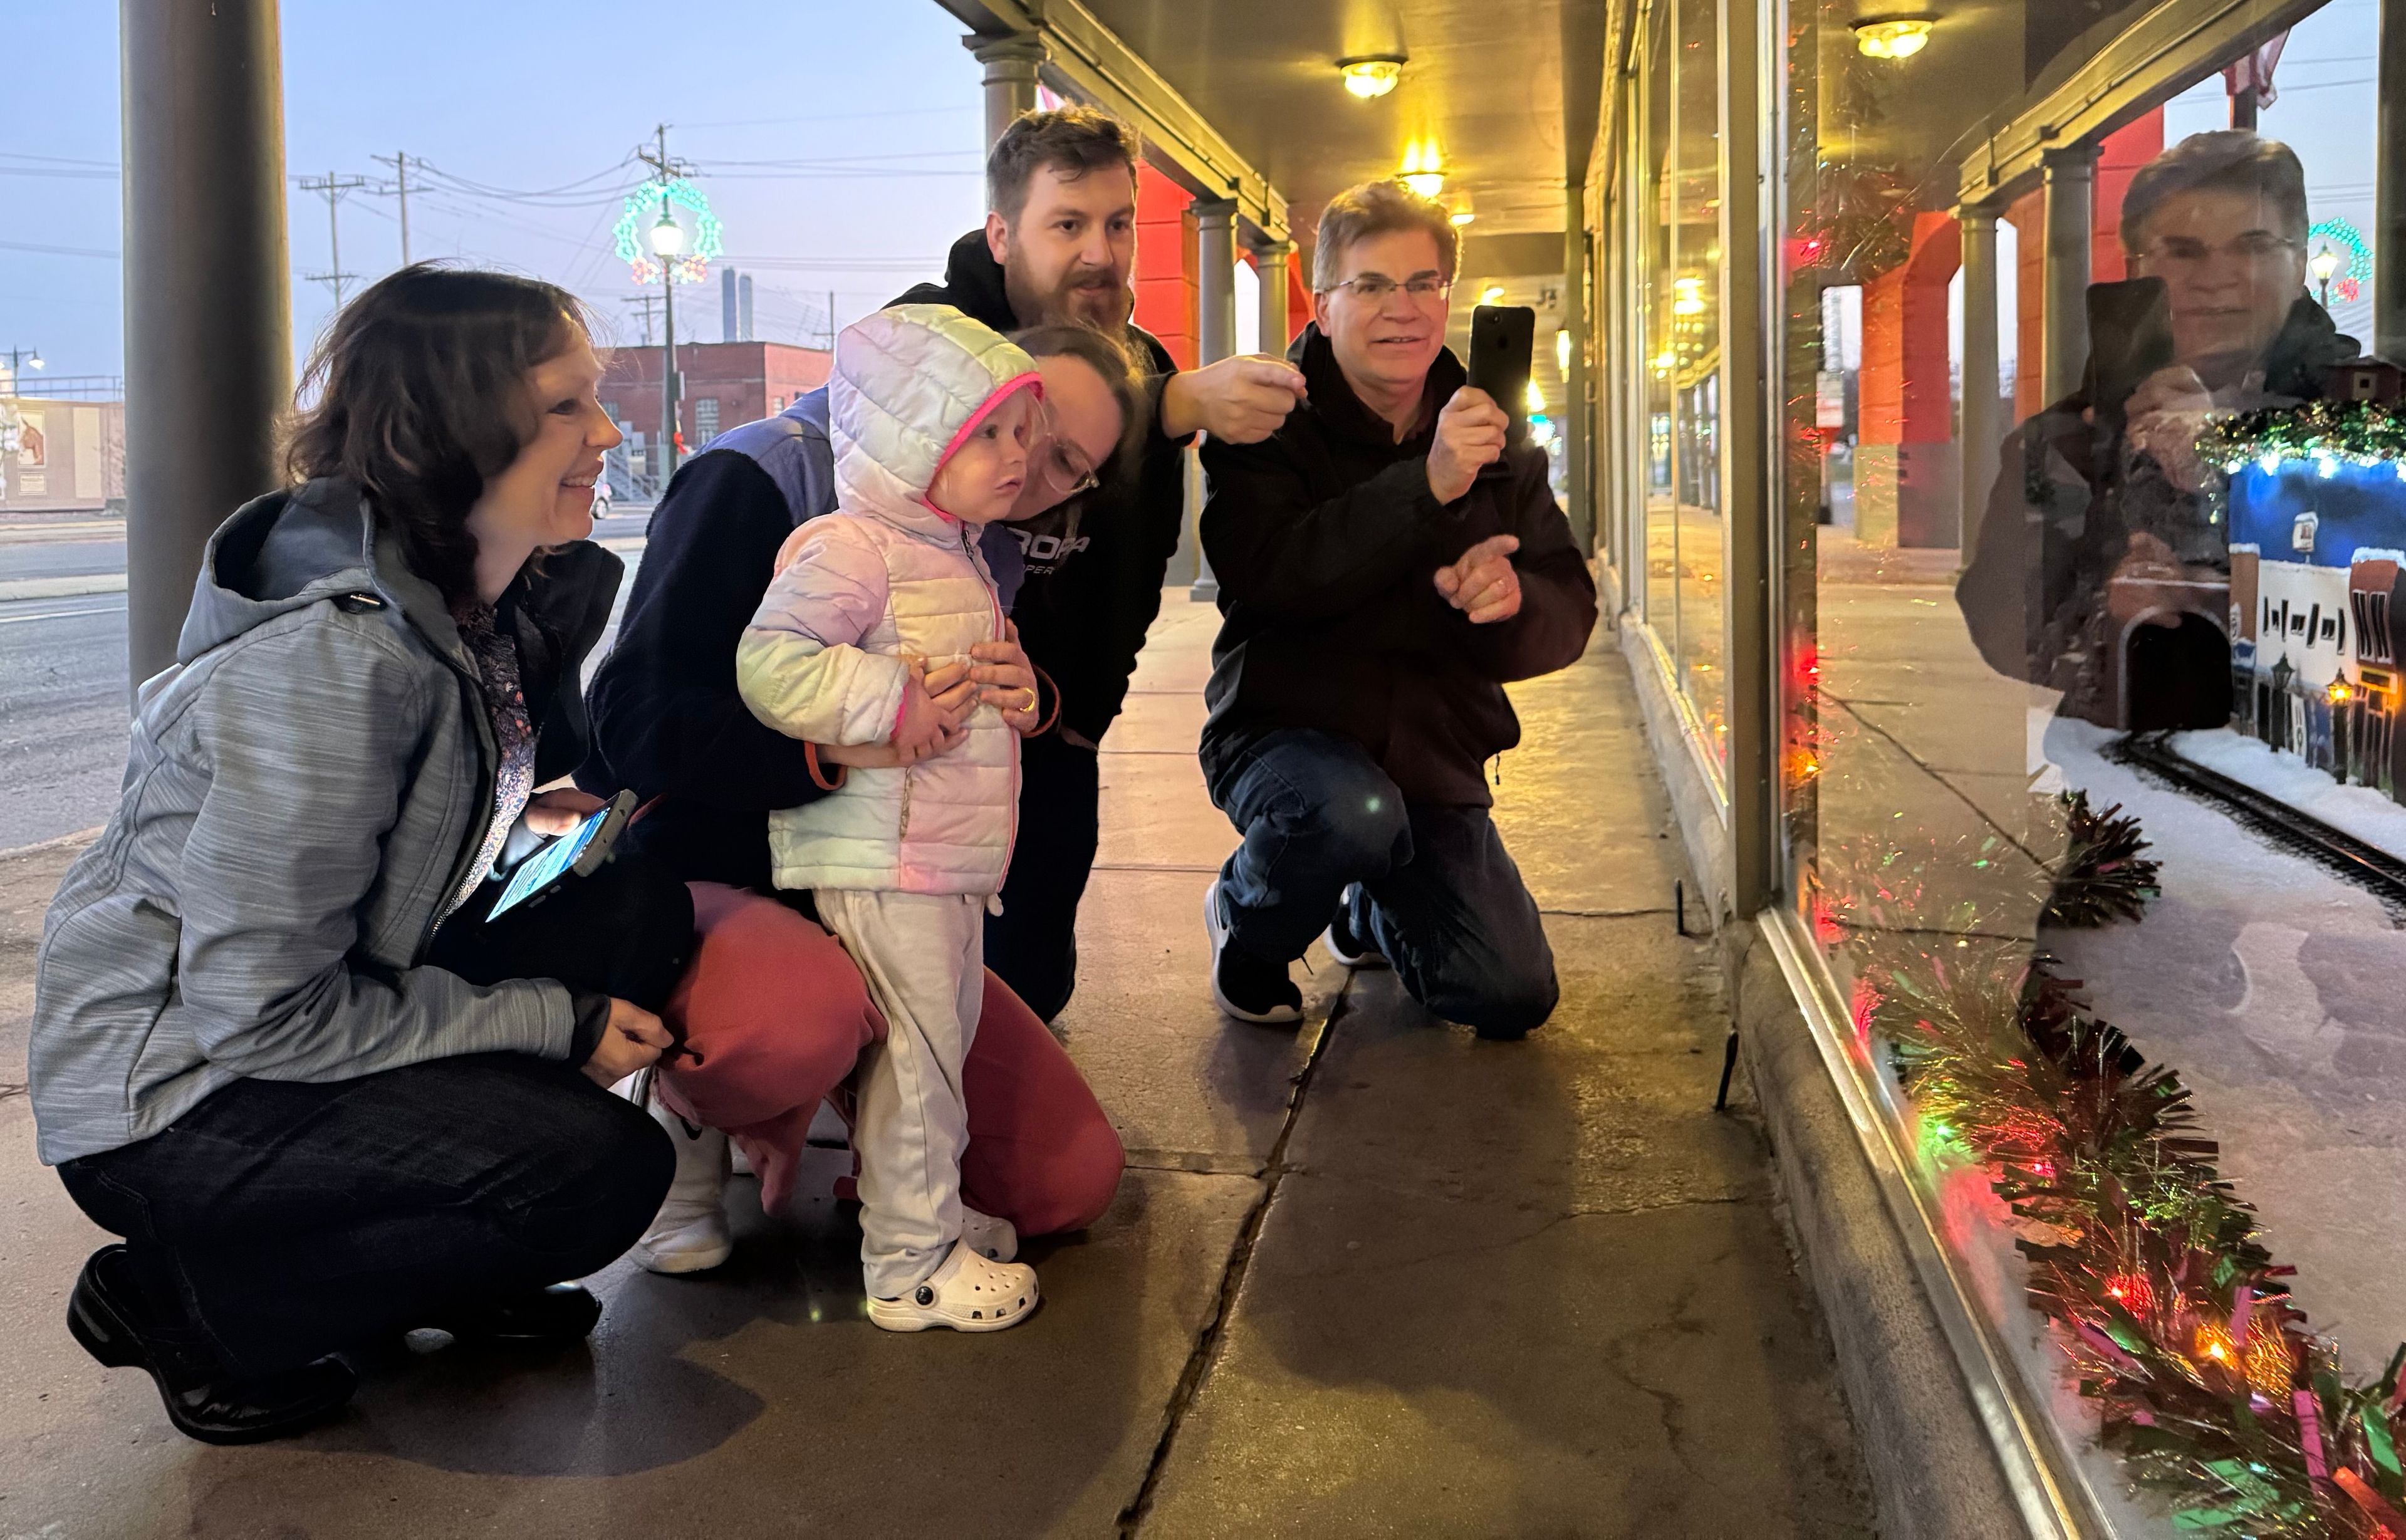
(650, 201)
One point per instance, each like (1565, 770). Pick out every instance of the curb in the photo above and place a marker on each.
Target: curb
(16, 589)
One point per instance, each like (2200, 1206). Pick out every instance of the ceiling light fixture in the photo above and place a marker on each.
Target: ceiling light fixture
(1371, 74)
(1423, 169)
(1893, 37)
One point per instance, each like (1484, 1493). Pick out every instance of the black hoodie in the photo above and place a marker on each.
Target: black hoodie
(1326, 539)
(1083, 615)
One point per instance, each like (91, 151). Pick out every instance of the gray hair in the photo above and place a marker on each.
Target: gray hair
(1376, 209)
(2225, 160)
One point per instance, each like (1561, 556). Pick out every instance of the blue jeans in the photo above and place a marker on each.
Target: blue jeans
(1440, 896)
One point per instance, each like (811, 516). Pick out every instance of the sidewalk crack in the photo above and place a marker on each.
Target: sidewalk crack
(1240, 1255)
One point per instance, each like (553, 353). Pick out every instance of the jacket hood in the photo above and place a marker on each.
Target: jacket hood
(291, 548)
(973, 282)
(1343, 412)
(907, 383)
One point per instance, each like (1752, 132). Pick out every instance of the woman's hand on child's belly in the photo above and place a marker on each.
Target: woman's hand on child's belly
(1006, 679)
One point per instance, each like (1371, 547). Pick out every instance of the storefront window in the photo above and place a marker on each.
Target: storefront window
(1696, 342)
(2091, 777)
(1678, 113)
(1657, 108)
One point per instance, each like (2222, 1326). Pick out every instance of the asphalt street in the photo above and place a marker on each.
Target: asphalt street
(64, 698)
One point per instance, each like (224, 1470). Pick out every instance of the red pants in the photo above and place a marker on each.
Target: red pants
(776, 1013)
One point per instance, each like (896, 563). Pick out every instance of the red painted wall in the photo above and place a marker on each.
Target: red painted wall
(2124, 152)
(1905, 397)
(1165, 263)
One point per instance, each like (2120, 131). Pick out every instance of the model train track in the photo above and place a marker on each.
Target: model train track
(2368, 866)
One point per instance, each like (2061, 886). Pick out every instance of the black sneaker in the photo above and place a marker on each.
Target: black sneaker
(203, 1398)
(548, 1317)
(1351, 948)
(1249, 988)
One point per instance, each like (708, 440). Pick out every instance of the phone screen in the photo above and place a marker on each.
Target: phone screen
(537, 871)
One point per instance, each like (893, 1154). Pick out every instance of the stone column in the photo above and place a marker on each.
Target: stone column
(2071, 203)
(2389, 204)
(1575, 423)
(209, 349)
(1215, 322)
(1983, 426)
(1271, 259)
(1011, 66)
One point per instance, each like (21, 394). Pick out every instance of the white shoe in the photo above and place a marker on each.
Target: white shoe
(1356, 951)
(988, 1237)
(689, 1233)
(967, 1294)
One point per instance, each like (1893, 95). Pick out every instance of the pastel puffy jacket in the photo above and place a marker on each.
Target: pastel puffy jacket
(884, 577)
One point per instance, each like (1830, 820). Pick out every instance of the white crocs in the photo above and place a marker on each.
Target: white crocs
(969, 1293)
(689, 1233)
(988, 1237)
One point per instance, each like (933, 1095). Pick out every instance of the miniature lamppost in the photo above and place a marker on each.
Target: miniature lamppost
(2324, 264)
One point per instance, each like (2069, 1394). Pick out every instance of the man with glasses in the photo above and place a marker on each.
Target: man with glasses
(2100, 571)
(1386, 564)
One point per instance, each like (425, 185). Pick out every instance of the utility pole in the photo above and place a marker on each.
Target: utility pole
(333, 188)
(398, 161)
(667, 241)
(647, 304)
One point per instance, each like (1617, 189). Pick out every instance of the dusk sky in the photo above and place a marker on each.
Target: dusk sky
(839, 142)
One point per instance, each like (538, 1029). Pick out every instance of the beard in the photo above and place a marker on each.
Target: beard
(1089, 297)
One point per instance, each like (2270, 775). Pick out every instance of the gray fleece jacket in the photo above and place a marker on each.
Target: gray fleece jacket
(305, 789)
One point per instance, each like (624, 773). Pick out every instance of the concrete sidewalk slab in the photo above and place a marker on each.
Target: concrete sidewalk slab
(756, 1400)
(1187, 1088)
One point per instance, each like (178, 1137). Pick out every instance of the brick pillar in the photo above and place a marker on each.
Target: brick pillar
(1906, 471)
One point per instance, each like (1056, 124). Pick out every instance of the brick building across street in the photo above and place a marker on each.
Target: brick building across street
(726, 383)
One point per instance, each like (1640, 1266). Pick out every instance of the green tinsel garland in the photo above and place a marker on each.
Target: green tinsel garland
(2210, 1387)
(2101, 877)
(2353, 432)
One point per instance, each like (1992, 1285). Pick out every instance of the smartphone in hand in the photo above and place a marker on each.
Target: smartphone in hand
(1501, 339)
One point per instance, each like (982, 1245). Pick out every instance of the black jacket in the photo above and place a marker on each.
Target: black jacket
(668, 719)
(1082, 613)
(1325, 540)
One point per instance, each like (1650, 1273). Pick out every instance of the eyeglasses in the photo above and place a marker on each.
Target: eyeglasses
(2255, 248)
(1374, 288)
(1058, 462)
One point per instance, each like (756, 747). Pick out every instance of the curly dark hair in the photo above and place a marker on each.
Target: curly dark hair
(418, 393)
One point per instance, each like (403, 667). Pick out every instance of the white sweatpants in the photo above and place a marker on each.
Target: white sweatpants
(922, 956)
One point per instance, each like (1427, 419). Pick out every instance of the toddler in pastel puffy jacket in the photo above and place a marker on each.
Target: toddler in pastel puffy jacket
(933, 416)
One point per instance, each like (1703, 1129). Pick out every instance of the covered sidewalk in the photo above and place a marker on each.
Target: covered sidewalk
(1370, 1277)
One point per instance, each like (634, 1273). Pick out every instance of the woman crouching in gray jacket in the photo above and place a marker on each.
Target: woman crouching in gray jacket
(255, 1054)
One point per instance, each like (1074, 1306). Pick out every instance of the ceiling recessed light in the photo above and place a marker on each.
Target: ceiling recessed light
(1893, 37)
(1372, 75)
